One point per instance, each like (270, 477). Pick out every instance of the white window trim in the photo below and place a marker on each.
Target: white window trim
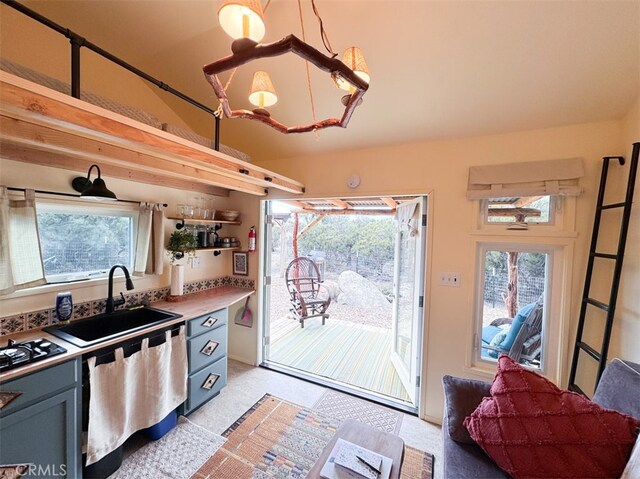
(563, 225)
(556, 323)
(95, 209)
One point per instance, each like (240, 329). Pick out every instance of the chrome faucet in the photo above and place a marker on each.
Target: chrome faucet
(112, 303)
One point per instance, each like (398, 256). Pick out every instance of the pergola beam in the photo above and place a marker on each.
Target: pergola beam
(310, 226)
(390, 202)
(340, 204)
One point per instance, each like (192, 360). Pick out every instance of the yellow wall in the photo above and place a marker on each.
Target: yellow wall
(19, 174)
(35, 46)
(440, 168)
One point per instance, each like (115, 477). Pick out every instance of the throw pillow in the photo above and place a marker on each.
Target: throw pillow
(632, 470)
(531, 428)
(516, 325)
(497, 339)
(461, 397)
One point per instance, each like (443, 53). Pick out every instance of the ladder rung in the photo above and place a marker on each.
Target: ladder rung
(598, 304)
(576, 389)
(613, 205)
(605, 255)
(589, 350)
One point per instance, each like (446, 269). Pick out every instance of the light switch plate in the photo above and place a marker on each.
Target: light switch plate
(451, 280)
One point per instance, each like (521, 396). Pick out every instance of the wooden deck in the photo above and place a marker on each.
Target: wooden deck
(355, 354)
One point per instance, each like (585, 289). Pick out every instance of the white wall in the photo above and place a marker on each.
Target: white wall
(440, 168)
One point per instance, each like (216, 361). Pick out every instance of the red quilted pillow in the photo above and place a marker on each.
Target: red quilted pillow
(531, 428)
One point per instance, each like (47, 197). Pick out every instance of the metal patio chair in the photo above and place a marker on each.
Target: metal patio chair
(304, 284)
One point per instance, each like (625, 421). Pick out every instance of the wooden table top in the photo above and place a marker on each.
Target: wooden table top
(367, 437)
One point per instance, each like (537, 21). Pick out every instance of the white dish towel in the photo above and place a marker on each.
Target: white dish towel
(134, 393)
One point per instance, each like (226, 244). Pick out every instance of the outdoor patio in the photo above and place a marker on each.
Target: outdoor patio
(353, 353)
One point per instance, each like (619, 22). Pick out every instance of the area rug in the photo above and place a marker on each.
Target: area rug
(344, 406)
(276, 439)
(177, 455)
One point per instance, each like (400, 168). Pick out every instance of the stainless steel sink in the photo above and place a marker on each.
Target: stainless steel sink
(103, 327)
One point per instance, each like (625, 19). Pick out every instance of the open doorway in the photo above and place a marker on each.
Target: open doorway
(344, 293)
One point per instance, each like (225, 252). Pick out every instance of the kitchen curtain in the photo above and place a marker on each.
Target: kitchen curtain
(533, 178)
(150, 242)
(20, 257)
(134, 393)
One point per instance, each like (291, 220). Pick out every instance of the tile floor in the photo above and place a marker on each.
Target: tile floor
(247, 384)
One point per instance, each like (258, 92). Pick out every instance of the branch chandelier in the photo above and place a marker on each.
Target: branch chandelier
(243, 20)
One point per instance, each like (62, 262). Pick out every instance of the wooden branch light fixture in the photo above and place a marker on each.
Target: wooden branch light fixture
(243, 21)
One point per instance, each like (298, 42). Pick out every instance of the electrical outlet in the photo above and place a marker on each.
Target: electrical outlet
(195, 262)
(450, 280)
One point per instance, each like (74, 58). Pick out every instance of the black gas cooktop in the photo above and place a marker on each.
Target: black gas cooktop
(15, 354)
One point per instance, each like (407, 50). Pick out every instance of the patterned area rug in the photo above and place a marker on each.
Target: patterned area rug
(177, 455)
(279, 439)
(343, 406)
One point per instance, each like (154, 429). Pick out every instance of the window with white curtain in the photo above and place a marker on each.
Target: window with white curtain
(81, 242)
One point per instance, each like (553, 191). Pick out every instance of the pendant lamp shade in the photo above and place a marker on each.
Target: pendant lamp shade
(242, 19)
(262, 93)
(94, 190)
(354, 59)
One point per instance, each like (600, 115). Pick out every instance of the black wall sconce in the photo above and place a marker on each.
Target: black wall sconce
(96, 189)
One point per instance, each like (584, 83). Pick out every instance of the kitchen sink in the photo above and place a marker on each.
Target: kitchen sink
(103, 327)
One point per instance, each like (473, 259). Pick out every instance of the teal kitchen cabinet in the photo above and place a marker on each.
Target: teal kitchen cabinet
(41, 427)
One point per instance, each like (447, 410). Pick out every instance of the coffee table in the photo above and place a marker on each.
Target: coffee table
(368, 437)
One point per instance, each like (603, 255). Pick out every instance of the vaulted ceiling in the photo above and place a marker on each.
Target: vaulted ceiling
(439, 69)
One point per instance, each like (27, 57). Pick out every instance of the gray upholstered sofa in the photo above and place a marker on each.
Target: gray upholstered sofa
(618, 389)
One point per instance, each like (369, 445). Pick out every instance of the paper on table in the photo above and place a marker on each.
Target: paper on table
(331, 470)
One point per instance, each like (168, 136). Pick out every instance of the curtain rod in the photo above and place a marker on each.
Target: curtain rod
(56, 193)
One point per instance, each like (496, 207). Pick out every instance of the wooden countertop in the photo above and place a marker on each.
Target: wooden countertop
(193, 305)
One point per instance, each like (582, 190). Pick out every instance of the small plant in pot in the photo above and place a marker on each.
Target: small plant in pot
(181, 243)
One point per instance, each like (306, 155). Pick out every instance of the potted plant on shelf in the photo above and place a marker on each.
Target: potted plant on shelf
(181, 243)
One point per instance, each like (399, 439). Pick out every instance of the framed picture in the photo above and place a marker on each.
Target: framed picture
(240, 263)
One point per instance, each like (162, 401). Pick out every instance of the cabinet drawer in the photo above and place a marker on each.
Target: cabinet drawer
(40, 384)
(214, 375)
(207, 348)
(206, 322)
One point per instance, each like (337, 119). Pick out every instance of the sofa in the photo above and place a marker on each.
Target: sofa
(618, 389)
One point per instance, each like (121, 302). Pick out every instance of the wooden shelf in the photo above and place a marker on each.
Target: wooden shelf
(233, 248)
(42, 126)
(198, 221)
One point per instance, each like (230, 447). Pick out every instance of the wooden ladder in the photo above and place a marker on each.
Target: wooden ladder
(610, 308)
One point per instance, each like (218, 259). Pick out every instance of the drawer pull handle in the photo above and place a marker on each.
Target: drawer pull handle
(209, 348)
(211, 380)
(210, 321)
(7, 396)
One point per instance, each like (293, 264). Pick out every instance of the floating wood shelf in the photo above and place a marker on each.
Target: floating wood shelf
(42, 126)
(199, 221)
(232, 248)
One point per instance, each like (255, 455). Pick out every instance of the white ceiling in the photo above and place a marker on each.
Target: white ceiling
(438, 69)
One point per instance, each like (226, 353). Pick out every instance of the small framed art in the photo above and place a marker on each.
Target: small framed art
(240, 263)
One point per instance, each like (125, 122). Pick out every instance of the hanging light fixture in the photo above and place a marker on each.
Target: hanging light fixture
(262, 93)
(93, 190)
(354, 59)
(242, 20)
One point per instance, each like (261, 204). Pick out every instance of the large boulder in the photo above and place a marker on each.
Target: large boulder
(358, 291)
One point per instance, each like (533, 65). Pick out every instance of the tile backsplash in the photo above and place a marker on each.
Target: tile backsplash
(47, 317)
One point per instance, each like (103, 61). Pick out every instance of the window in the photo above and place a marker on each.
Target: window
(527, 209)
(512, 302)
(78, 243)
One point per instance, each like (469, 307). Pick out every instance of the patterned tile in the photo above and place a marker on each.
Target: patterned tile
(82, 310)
(12, 324)
(132, 299)
(190, 288)
(99, 306)
(145, 297)
(38, 319)
(211, 283)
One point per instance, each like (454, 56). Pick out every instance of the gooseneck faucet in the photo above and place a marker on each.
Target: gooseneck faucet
(112, 303)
